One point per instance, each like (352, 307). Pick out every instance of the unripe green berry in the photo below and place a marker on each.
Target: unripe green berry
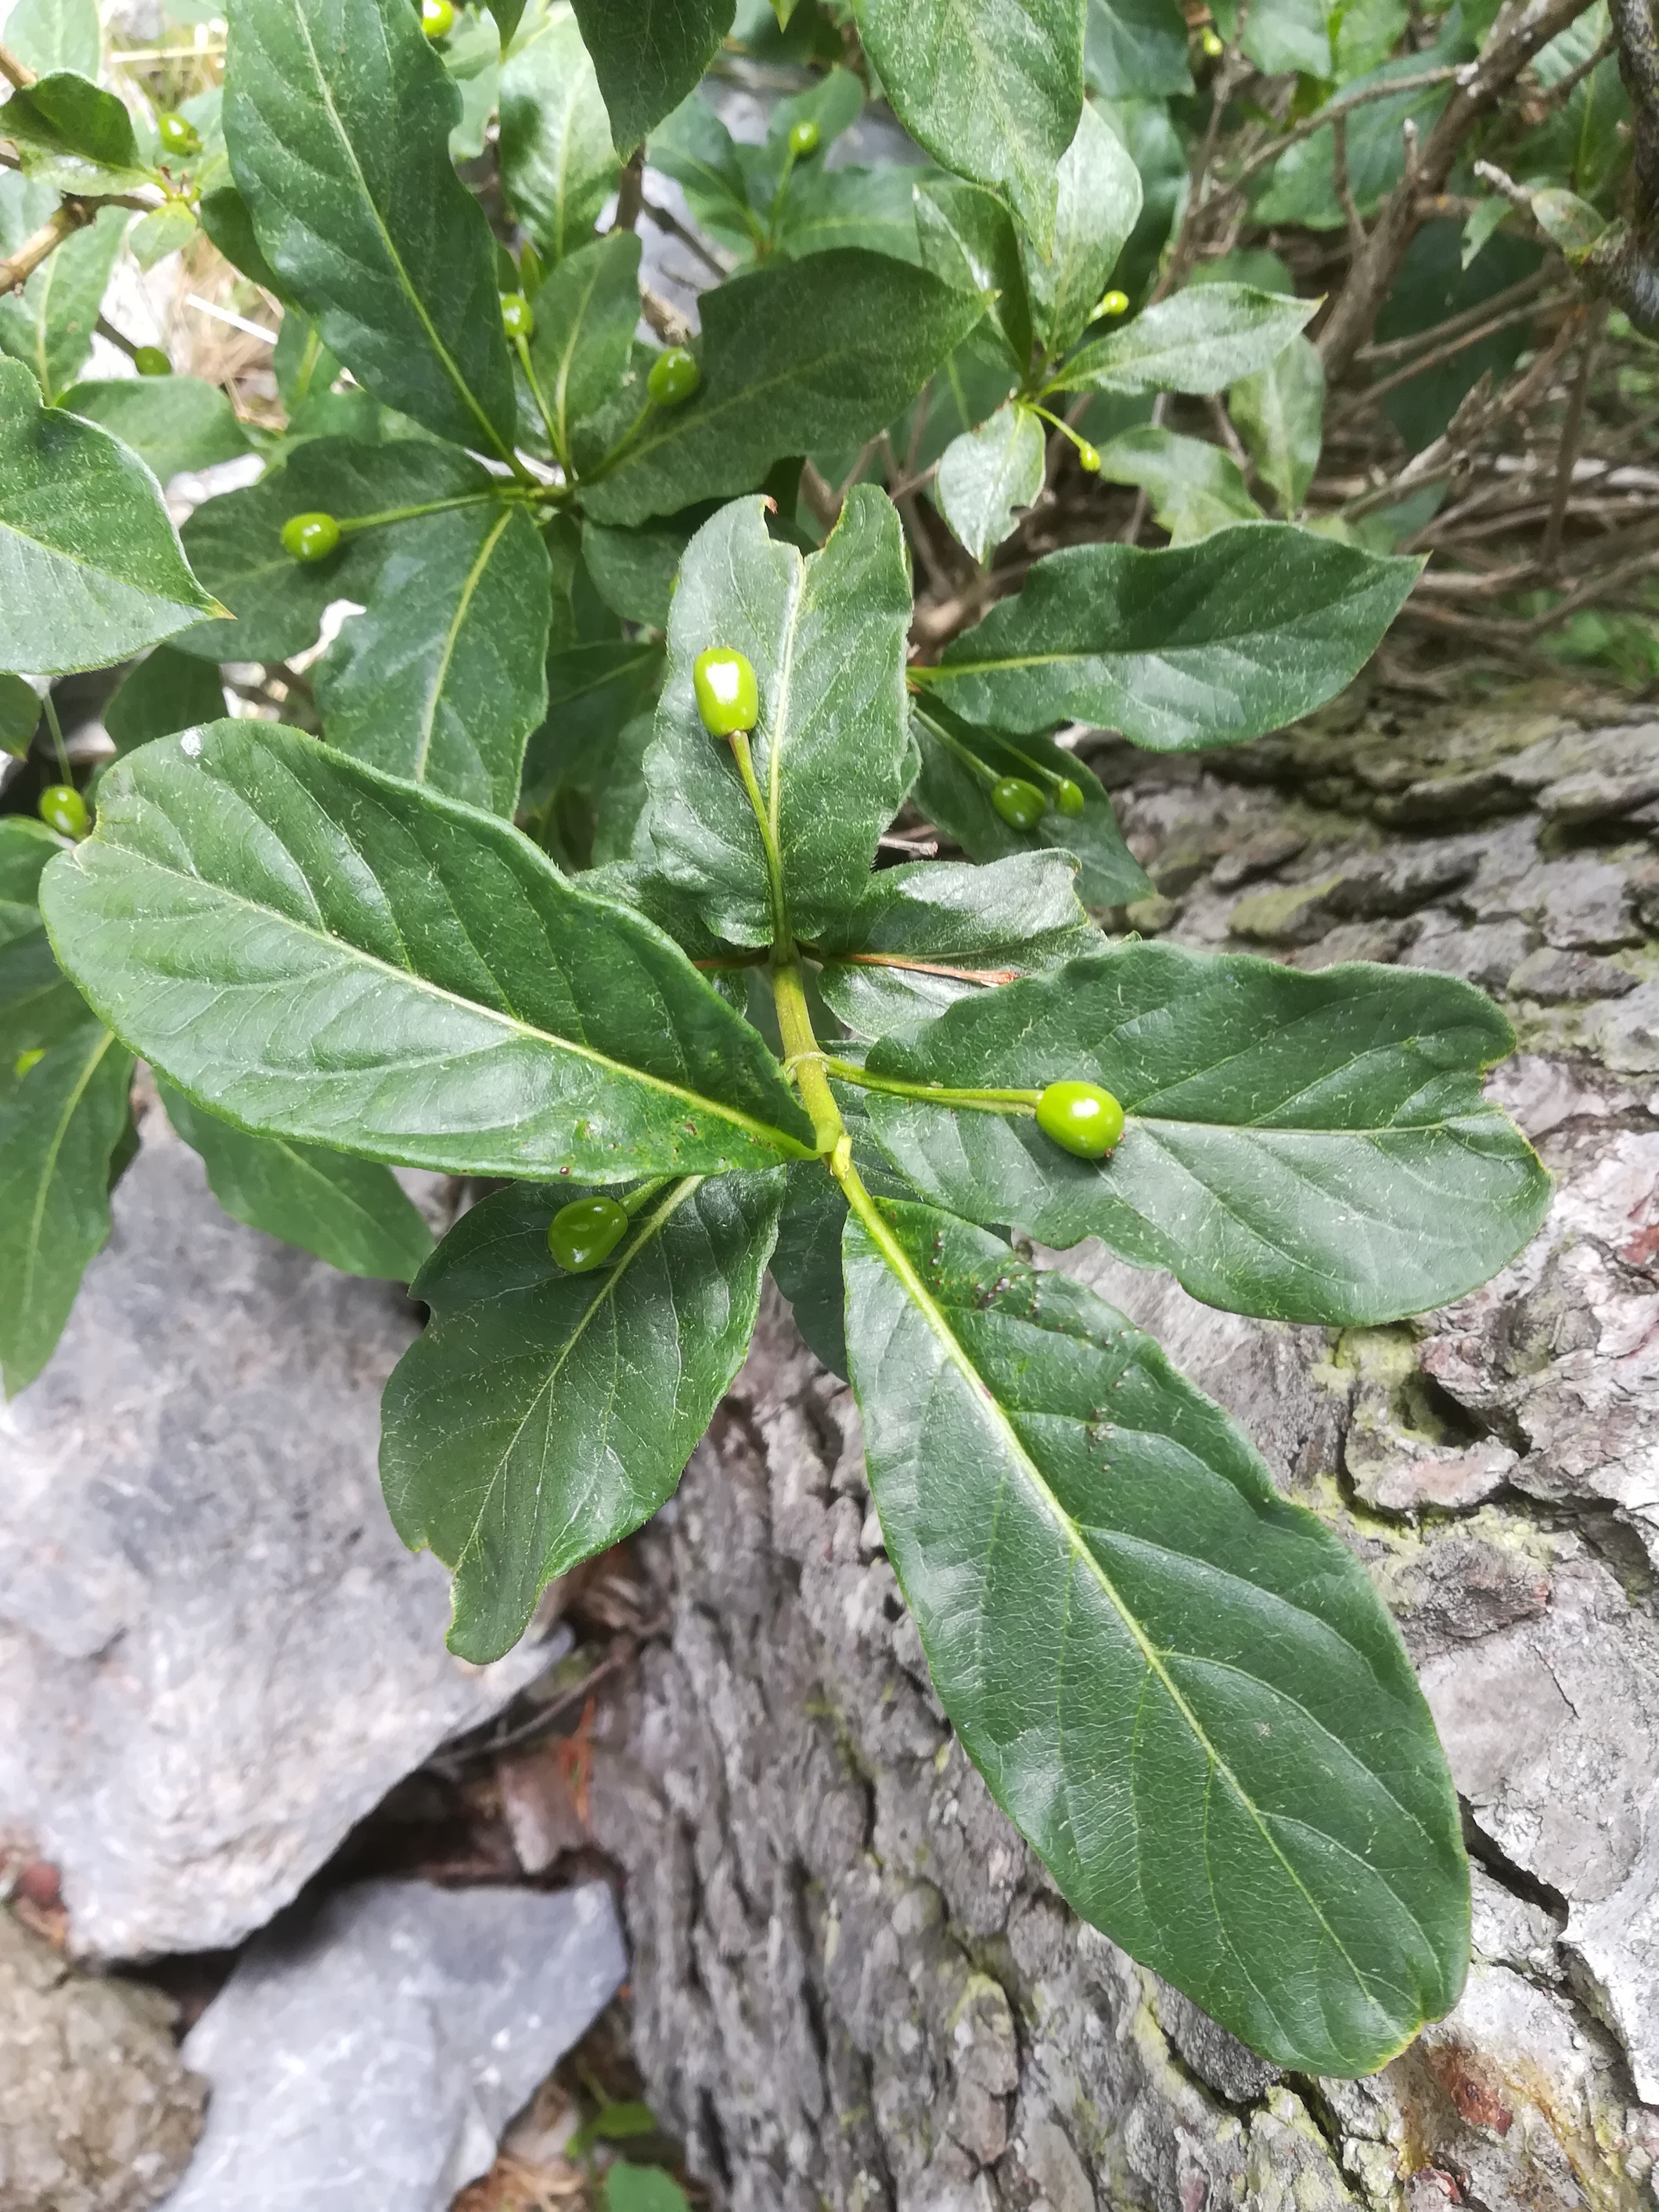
(178, 137)
(310, 536)
(584, 1234)
(1210, 45)
(1080, 1118)
(1021, 805)
(804, 137)
(517, 316)
(1088, 458)
(674, 377)
(26, 1061)
(63, 809)
(1068, 796)
(728, 697)
(1114, 303)
(437, 18)
(150, 361)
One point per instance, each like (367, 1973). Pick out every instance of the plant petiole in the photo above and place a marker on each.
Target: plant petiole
(349, 523)
(521, 347)
(56, 729)
(983, 1102)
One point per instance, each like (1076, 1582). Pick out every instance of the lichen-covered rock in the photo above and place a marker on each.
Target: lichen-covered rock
(97, 2111)
(823, 1901)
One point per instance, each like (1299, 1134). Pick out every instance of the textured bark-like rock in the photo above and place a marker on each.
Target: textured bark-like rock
(854, 1986)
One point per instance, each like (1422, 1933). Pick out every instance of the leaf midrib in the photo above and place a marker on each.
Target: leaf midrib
(451, 635)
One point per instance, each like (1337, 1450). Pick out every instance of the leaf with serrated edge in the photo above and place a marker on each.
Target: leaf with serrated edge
(1310, 1147)
(337, 116)
(1183, 1690)
(312, 950)
(541, 1416)
(91, 569)
(352, 1213)
(1199, 341)
(1190, 646)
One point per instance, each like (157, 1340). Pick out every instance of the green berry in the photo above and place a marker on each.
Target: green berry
(1210, 45)
(517, 316)
(1081, 1118)
(728, 697)
(437, 18)
(585, 1233)
(178, 137)
(803, 138)
(310, 536)
(1088, 458)
(63, 809)
(674, 377)
(1068, 796)
(1114, 303)
(150, 361)
(1021, 805)
(25, 1061)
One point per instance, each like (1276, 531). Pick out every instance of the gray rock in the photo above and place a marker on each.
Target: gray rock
(97, 2112)
(366, 2057)
(1626, 1034)
(1554, 978)
(1487, 954)
(216, 1656)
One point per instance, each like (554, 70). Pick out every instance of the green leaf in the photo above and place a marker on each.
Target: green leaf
(73, 136)
(50, 324)
(1566, 219)
(19, 715)
(349, 1213)
(38, 1005)
(168, 691)
(1280, 413)
(91, 569)
(57, 1131)
(693, 147)
(585, 316)
(172, 422)
(993, 89)
(443, 676)
(922, 937)
(1136, 50)
(168, 229)
(874, 209)
(634, 570)
(642, 2189)
(987, 474)
(1279, 35)
(647, 55)
(796, 356)
(826, 636)
(959, 803)
(1310, 1147)
(544, 1416)
(1301, 188)
(1194, 487)
(1197, 645)
(56, 34)
(1183, 1691)
(1098, 208)
(26, 846)
(224, 215)
(1200, 340)
(558, 167)
(1363, 32)
(339, 113)
(968, 238)
(312, 950)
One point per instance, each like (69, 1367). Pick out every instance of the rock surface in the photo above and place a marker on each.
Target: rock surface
(97, 2112)
(854, 1986)
(366, 2057)
(216, 1656)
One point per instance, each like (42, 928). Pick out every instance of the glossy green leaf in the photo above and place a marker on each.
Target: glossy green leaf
(73, 136)
(1194, 487)
(172, 422)
(56, 34)
(558, 166)
(339, 114)
(57, 1129)
(1136, 50)
(1098, 207)
(544, 1416)
(968, 238)
(274, 927)
(91, 569)
(826, 636)
(1280, 413)
(26, 846)
(634, 570)
(647, 55)
(922, 937)
(351, 1213)
(796, 356)
(1309, 1147)
(1197, 645)
(224, 215)
(168, 691)
(1200, 340)
(443, 676)
(49, 325)
(993, 89)
(957, 801)
(585, 316)
(806, 1261)
(987, 477)
(1183, 1690)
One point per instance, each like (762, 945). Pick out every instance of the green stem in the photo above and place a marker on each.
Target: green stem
(783, 936)
(608, 461)
(970, 759)
(936, 1094)
(778, 198)
(643, 1197)
(542, 407)
(408, 514)
(1064, 428)
(64, 772)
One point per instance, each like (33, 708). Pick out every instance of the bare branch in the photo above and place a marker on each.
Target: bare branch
(1571, 429)
(72, 215)
(20, 73)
